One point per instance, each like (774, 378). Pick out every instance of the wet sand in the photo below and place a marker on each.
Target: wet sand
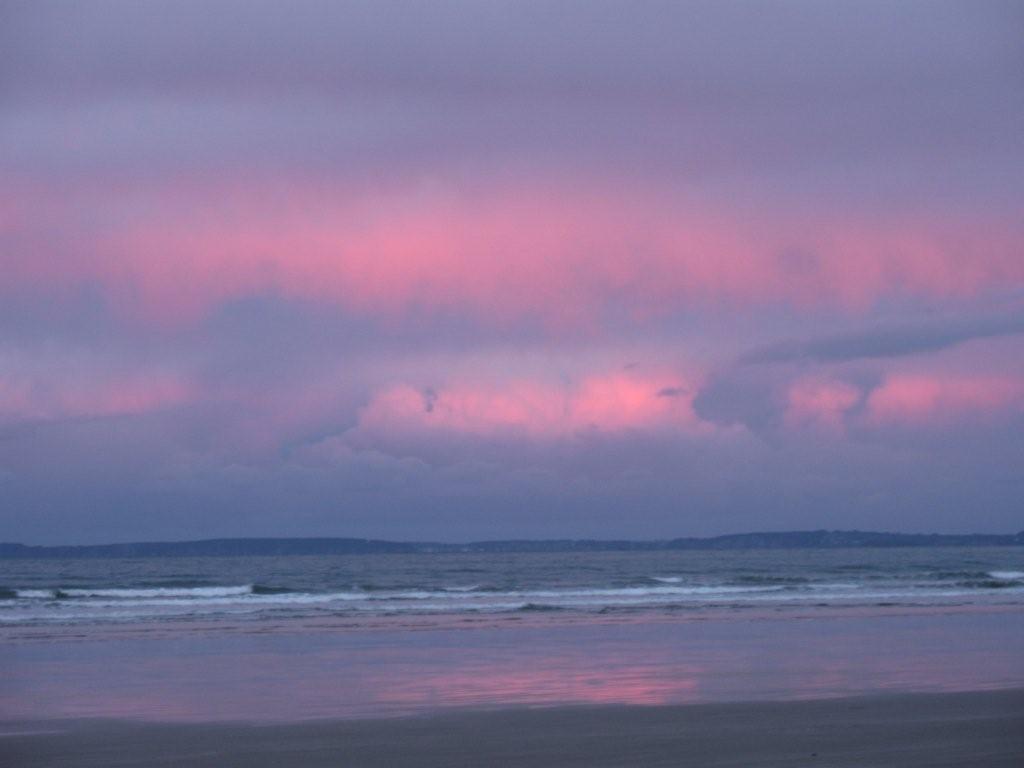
(981, 729)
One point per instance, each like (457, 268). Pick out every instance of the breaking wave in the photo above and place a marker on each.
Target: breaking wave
(301, 588)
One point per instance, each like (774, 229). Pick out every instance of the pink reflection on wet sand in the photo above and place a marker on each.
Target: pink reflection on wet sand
(319, 673)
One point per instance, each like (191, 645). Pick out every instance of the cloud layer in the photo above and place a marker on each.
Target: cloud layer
(509, 269)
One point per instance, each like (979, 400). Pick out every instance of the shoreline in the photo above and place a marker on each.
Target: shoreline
(977, 728)
(154, 628)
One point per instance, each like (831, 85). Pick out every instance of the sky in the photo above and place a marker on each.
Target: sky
(466, 270)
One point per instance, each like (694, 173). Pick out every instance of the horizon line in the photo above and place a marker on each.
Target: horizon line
(596, 540)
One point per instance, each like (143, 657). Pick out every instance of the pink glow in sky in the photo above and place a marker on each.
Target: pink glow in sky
(923, 399)
(559, 254)
(476, 270)
(611, 402)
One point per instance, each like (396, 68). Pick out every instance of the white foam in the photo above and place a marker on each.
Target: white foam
(841, 587)
(162, 592)
(654, 592)
(631, 592)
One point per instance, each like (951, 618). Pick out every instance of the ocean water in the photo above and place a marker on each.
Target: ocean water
(365, 587)
(294, 638)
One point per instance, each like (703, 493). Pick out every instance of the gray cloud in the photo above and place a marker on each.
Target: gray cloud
(429, 399)
(799, 97)
(894, 341)
(137, 482)
(734, 396)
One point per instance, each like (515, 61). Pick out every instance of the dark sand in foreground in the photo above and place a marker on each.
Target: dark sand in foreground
(957, 729)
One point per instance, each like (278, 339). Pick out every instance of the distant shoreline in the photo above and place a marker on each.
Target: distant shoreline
(257, 547)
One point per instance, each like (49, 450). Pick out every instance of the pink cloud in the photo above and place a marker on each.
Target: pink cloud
(534, 409)
(924, 398)
(820, 403)
(25, 398)
(560, 253)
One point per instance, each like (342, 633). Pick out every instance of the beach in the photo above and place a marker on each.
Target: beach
(750, 659)
(978, 729)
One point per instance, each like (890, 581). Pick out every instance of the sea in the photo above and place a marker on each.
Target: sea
(41, 593)
(300, 637)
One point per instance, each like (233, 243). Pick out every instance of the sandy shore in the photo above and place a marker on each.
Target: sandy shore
(983, 729)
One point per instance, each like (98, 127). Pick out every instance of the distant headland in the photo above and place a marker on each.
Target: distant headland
(253, 547)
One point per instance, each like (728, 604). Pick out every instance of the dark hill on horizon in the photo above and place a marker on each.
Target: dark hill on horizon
(249, 547)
